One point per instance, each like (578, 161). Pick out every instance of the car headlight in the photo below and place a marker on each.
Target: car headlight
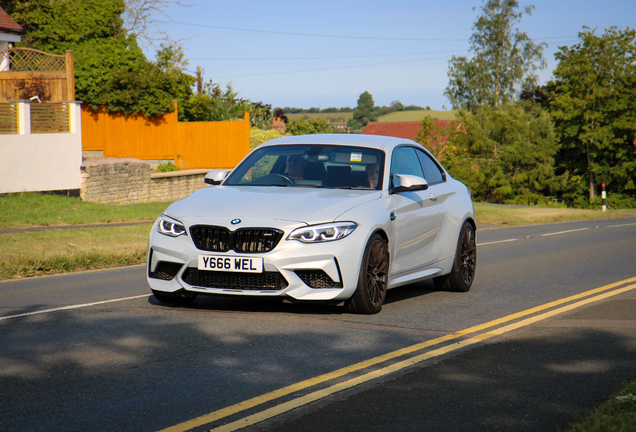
(170, 227)
(323, 232)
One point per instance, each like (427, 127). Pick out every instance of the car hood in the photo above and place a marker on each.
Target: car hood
(297, 204)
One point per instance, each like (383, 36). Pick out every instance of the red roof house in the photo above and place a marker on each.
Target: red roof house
(409, 130)
(395, 129)
(10, 32)
(8, 25)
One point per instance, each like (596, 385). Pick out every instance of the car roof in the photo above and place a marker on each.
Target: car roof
(371, 141)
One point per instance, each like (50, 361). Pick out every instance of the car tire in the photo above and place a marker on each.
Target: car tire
(180, 297)
(461, 277)
(373, 280)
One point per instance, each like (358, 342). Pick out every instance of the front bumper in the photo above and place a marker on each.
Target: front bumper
(322, 271)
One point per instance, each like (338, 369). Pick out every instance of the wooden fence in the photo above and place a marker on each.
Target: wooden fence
(8, 118)
(47, 117)
(190, 145)
(26, 73)
(50, 118)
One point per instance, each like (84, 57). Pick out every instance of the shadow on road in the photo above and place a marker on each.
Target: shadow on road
(541, 380)
(137, 366)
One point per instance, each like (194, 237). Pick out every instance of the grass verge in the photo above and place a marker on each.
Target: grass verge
(618, 414)
(32, 209)
(39, 253)
(58, 251)
(503, 215)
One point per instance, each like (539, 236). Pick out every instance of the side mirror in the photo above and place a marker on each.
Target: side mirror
(409, 183)
(216, 176)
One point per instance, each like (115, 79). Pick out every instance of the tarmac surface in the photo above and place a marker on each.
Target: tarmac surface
(539, 378)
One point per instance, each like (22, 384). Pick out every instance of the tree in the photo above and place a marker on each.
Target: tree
(363, 113)
(55, 26)
(110, 67)
(594, 105)
(140, 19)
(506, 154)
(504, 59)
(396, 105)
(143, 86)
(433, 135)
(214, 104)
(539, 95)
(308, 126)
(280, 114)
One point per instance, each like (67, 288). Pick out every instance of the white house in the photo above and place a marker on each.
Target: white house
(10, 32)
(35, 158)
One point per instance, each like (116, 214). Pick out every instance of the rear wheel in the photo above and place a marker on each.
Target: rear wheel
(179, 297)
(461, 277)
(374, 278)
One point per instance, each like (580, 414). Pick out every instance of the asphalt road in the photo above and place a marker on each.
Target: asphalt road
(93, 351)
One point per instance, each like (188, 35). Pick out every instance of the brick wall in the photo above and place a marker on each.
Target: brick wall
(130, 181)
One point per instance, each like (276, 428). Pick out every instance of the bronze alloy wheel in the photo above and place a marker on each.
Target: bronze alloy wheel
(461, 277)
(374, 278)
(377, 275)
(468, 257)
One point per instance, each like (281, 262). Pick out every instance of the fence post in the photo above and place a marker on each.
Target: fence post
(70, 76)
(24, 116)
(74, 116)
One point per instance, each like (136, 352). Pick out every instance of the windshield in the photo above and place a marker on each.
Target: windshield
(327, 166)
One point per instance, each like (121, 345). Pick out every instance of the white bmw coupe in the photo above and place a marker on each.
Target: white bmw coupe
(332, 218)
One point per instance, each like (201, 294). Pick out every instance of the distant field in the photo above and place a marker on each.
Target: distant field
(400, 116)
(330, 116)
(403, 116)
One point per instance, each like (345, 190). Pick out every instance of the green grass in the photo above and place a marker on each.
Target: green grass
(58, 251)
(617, 414)
(405, 116)
(330, 116)
(502, 215)
(400, 116)
(32, 209)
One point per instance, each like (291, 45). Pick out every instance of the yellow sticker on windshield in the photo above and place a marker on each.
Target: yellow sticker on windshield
(356, 157)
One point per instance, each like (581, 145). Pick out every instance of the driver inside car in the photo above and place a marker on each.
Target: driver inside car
(373, 174)
(296, 167)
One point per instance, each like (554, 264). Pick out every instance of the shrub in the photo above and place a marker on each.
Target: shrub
(309, 126)
(167, 167)
(258, 136)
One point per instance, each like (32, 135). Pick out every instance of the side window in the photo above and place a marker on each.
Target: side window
(405, 161)
(432, 172)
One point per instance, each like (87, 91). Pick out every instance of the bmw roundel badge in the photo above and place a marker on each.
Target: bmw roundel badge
(236, 221)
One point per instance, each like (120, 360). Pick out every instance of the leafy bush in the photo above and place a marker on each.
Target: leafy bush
(308, 126)
(613, 201)
(168, 166)
(216, 104)
(506, 155)
(259, 136)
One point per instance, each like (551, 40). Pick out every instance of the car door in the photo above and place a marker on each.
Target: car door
(440, 192)
(416, 218)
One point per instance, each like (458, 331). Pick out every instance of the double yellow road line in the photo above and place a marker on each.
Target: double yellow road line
(464, 338)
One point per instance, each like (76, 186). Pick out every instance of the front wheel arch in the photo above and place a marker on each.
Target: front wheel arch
(462, 275)
(373, 279)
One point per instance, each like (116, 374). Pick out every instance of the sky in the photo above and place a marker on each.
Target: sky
(326, 53)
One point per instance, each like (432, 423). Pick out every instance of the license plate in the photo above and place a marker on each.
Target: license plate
(231, 263)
